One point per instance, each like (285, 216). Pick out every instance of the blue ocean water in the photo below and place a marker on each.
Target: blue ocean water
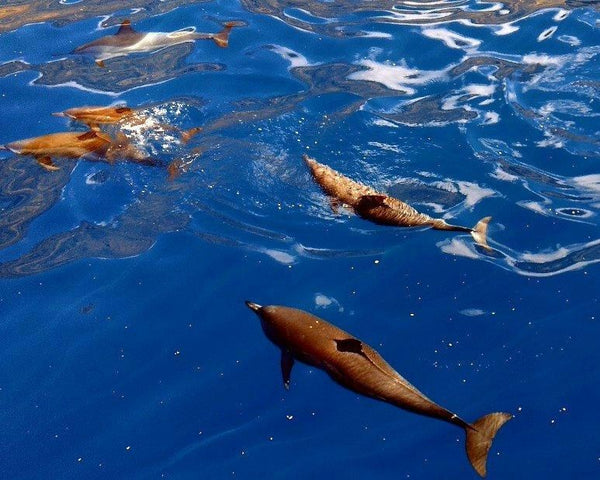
(127, 350)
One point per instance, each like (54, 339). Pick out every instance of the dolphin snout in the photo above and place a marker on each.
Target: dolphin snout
(253, 306)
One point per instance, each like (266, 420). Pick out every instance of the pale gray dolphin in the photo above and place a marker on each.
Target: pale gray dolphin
(127, 41)
(380, 208)
(358, 367)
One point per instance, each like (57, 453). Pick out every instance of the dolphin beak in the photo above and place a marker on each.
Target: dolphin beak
(59, 114)
(253, 306)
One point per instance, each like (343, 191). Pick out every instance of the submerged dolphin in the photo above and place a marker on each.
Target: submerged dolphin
(381, 208)
(91, 145)
(127, 41)
(358, 367)
(94, 116)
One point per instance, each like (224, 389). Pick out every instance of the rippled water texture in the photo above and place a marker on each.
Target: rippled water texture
(461, 108)
(479, 67)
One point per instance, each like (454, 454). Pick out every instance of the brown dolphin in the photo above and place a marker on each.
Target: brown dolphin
(94, 116)
(381, 208)
(358, 367)
(127, 41)
(91, 145)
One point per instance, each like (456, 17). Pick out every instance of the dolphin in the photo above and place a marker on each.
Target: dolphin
(91, 145)
(94, 116)
(358, 367)
(127, 41)
(97, 115)
(381, 208)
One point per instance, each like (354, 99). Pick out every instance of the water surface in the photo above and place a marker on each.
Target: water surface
(128, 351)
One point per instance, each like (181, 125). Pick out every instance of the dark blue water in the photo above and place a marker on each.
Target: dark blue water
(127, 350)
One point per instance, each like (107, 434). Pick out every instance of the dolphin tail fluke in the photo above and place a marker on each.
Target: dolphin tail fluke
(222, 38)
(480, 435)
(479, 232)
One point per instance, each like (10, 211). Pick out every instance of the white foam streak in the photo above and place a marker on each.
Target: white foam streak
(294, 58)
(396, 77)
(459, 248)
(452, 39)
(530, 264)
(474, 193)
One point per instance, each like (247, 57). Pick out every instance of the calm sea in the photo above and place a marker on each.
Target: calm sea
(126, 348)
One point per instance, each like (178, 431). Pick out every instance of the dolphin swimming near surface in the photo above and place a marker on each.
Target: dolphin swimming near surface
(127, 41)
(94, 116)
(91, 145)
(381, 208)
(358, 367)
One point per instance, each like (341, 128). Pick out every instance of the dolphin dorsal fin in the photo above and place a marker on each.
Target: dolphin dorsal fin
(372, 201)
(351, 345)
(125, 28)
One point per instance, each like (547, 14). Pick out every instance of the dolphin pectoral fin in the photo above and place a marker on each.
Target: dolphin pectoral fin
(287, 362)
(480, 435)
(367, 202)
(47, 163)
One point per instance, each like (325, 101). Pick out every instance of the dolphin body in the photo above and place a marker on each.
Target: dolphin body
(91, 145)
(94, 116)
(358, 367)
(381, 208)
(127, 41)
